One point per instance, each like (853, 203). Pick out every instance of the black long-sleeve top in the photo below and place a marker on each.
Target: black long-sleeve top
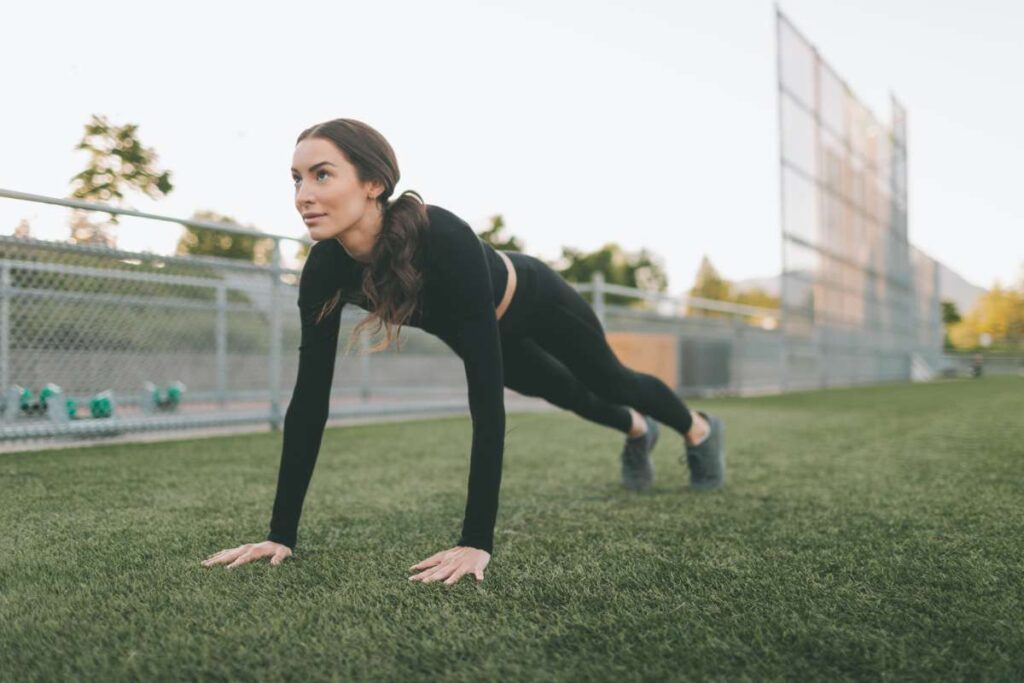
(463, 281)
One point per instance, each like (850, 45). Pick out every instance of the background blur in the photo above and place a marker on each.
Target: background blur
(702, 174)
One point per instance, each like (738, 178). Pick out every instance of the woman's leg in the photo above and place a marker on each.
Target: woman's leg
(532, 371)
(566, 327)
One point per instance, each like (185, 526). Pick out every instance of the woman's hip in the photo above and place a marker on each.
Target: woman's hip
(539, 290)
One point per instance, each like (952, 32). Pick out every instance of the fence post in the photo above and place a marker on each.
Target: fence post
(5, 327)
(222, 344)
(364, 368)
(274, 369)
(597, 287)
(738, 355)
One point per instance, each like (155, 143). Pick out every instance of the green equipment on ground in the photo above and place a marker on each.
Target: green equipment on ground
(51, 398)
(19, 401)
(54, 404)
(101, 405)
(163, 399)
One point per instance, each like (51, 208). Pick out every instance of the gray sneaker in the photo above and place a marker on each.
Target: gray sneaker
(707, 461)
(637, 468)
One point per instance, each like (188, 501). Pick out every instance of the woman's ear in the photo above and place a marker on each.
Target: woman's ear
(376, 189)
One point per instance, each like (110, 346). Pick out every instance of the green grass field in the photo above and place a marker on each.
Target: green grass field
(868, 533)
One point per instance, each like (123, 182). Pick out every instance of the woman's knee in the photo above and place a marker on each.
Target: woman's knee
(620, 386)
(570, 394)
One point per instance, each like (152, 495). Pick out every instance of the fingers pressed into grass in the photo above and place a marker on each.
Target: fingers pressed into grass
(429, 562)
(213, 558)
(234, 557)
(451, 565)
(456, 575)
(241, 559)
(279, 556)
(425, 574)
(225, 555)
(441, 572)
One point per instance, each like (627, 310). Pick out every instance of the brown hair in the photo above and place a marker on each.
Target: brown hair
(393, 279)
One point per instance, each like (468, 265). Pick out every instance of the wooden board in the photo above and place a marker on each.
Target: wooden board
(649, 352)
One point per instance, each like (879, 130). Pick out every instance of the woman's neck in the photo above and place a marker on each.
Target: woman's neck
(359, 239)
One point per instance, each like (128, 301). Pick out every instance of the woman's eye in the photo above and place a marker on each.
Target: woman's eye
(295, 180)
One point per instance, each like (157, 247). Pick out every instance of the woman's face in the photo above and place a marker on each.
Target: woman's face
(326, 185)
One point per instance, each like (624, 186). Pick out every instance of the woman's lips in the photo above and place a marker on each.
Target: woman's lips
(313, 218)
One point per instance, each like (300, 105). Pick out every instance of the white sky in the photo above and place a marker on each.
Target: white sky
(652, 124)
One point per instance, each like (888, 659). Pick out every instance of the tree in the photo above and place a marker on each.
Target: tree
(999, 312)
(950, 314)
(492, 236)
(117, 160)
(709, 284)
(760, 298)
(950, 317)
(641, 269)
(207, 242)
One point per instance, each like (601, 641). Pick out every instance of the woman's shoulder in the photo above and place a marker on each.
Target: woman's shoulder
(445, 221)
(440, 214)
(449, 229)
(325, 256)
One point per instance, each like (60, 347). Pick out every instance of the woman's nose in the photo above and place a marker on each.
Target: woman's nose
(302, 197)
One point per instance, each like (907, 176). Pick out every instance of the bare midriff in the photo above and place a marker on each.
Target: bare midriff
(510, 286)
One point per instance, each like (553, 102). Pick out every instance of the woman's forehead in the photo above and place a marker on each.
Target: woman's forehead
(313, 150)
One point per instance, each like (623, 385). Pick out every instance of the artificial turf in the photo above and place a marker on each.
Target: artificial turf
(871, 533)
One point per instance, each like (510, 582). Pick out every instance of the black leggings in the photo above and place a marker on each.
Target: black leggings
(554, 347)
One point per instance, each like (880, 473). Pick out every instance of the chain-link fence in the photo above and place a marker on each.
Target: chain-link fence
(97, 341)
(100, 341)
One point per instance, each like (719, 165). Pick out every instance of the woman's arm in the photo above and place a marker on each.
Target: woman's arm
(484, 378)
(465, 267)
(310, 404)
(480, 343)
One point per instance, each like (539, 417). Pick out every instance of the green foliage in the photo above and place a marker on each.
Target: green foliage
(493, 236)
(756, 297)
(117, 161)
(642, 270)
(950, 316)
(206, 242)
(998, 317)
(709, 284)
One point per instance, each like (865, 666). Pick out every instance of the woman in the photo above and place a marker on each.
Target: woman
(512, 320)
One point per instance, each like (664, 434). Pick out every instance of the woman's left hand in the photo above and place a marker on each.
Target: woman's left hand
(451, 565)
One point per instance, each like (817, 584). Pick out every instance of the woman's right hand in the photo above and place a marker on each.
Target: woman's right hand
(249, 552)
